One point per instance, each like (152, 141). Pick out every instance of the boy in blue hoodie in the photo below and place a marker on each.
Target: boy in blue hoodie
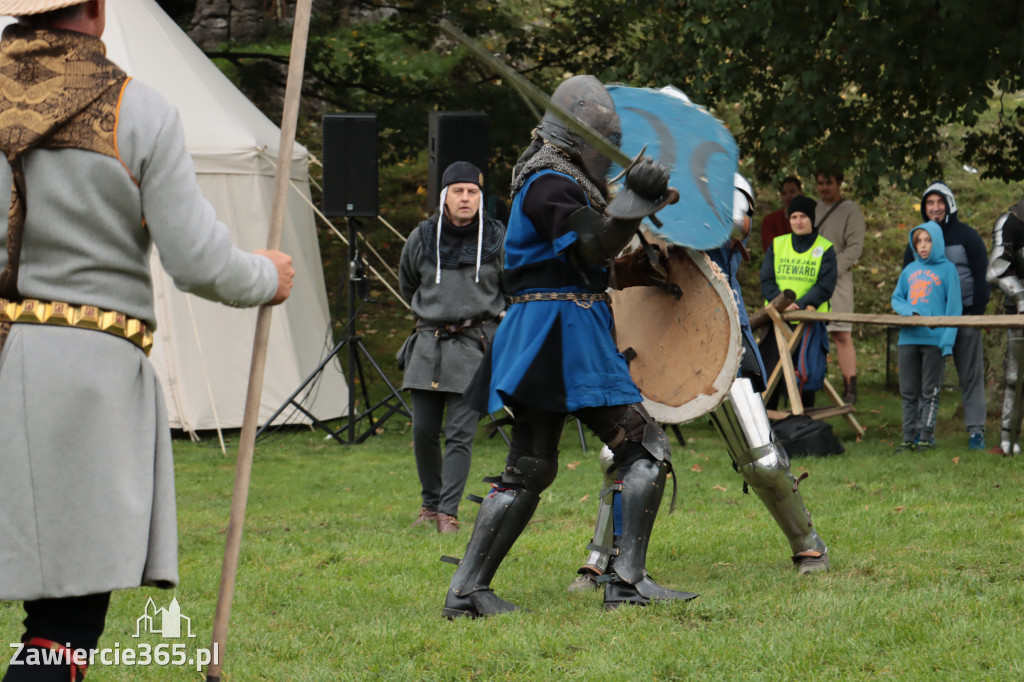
(927, 286)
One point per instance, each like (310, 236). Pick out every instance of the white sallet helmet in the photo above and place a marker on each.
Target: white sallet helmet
(742, 203)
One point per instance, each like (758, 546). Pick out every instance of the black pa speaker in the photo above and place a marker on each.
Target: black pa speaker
(455, 136)
(350, 165)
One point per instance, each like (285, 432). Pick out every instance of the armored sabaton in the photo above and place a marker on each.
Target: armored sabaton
(1005, 271)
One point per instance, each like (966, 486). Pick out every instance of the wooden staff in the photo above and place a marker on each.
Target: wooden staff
(247, 438)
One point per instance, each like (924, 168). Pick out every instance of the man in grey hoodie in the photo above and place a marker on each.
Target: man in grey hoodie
(966, 250)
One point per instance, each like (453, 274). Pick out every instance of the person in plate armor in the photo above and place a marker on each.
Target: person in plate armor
(554, 355)
(1006, 271)
(742, 421)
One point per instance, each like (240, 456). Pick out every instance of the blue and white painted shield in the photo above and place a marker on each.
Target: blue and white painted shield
(697, 147)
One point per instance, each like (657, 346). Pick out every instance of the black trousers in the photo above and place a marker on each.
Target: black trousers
(536, 434)
(74, 622)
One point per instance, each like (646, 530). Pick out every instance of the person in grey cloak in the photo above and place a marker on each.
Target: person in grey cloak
(99, 174)
(451, 275)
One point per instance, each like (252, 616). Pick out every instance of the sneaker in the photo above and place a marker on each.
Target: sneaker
(1007, 451)
(811, 561)
(906, 446)
(925, 444)
(977, 441)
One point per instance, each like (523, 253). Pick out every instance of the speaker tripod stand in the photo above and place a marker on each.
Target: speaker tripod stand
(391, 404)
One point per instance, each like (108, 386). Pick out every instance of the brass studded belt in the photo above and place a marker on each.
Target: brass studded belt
(584, 300)
(34, 311)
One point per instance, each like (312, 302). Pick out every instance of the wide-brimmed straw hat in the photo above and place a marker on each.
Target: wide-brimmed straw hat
(20, 8)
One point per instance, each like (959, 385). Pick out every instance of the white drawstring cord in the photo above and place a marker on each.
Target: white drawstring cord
(440, 219)
(480, 237)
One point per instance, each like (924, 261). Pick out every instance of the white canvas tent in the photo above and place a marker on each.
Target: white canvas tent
(202, 350)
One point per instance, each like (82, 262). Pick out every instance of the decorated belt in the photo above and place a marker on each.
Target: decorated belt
(449, 329)
(34, 311)
(581, 299)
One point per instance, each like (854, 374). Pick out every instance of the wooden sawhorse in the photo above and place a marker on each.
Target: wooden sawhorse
(788, 340)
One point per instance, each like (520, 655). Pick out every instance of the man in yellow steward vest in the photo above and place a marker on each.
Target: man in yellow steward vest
(804, 262)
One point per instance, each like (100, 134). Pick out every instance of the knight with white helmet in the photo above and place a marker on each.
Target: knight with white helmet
(742, 420)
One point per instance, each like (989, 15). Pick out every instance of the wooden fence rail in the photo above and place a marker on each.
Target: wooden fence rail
(893, 320)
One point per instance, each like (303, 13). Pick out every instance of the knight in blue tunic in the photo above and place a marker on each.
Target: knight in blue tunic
(742, 420)
(554, 353)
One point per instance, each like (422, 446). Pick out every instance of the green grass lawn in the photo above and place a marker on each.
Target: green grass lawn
(926, 579)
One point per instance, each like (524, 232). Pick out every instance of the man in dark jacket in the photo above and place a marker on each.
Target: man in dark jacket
(966, 250)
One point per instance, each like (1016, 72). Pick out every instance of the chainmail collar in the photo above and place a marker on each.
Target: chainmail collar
(459, 244)
(549, 157)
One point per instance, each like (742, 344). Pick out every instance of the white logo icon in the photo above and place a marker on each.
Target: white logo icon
(163, 622)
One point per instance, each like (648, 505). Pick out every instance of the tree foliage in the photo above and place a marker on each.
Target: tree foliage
(866, 85)
(871, 86)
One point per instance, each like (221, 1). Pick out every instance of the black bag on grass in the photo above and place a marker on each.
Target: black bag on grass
(803, 436)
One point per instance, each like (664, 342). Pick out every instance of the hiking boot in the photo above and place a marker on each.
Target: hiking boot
(426, 516)
(811, 561)
(906, 446)
(447, 523)
(976, 441)
(850, 392)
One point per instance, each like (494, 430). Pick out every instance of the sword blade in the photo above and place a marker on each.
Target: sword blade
(532, 92)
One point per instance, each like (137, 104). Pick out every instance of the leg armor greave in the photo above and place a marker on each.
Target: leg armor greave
(764, 464)
(503, 516)
(629, 435)
(1012, 408)
(604, 529)
(642, 488)
(643, 485)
